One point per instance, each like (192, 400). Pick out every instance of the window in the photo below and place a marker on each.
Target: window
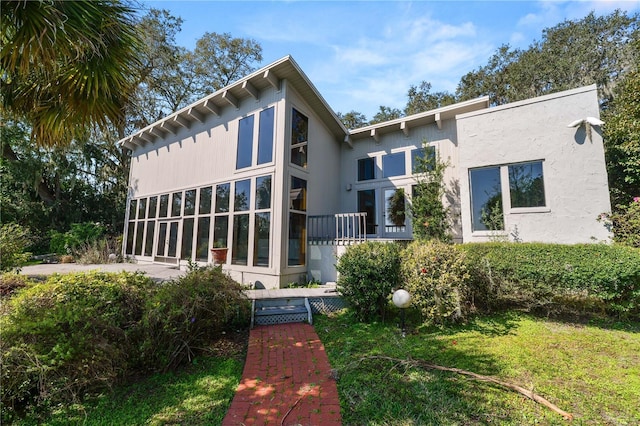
(222, 197)
(142, 208)
(148, 245)
(298, 194)
(131, 228)
(297, 222)
(164, 205)
(245, 143)
(190, 202)
(263, 192)
(366, 168)
(261, 239)
(393, 165)
(526, 185)
(187, 239)
(240, 249)
(299, 138)
(139, 236)
(486, 199)
(132, 209)
(242, 196)
(202, 242)
(220, 230)
(205, 200)
(176, 204)
(153, 206)
(265, 136)
(367, 204)
(418, 154)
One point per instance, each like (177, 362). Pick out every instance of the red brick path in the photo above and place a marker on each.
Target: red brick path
(286, 380)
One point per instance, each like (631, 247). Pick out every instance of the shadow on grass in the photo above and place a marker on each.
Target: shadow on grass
(199, 395)
(377, 387)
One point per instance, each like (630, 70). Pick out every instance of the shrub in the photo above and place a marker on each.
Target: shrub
(14, 240)
(626, 224)
(554, 278)
(104, 250)
(79, 234)
(368, 274)
(435, 275)
(72, 334)
(188, 314)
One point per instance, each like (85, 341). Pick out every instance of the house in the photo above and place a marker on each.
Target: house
(265, 168)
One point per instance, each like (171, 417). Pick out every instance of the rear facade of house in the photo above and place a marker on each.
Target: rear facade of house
(264, 168)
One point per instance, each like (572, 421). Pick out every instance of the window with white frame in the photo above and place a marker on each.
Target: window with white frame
(299, 138)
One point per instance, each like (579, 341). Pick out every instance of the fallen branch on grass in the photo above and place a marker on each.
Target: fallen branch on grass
(423, 364)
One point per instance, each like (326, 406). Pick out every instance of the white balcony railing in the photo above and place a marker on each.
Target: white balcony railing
(337, 229)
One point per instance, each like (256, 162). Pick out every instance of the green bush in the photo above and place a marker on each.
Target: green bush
(626, 224)
(70, 335)
(80, 234)
(435, 275)
(368, 274)
(188, 314)
(14, 240)
(556, 279)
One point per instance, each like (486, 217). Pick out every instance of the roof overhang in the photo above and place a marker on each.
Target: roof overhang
(250, 87)
(404, 124)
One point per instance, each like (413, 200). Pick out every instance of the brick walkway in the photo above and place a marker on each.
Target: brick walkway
(286, 380)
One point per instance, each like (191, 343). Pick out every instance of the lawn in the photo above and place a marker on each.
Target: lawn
(590, 371)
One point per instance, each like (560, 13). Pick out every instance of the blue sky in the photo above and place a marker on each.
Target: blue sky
(363, 54)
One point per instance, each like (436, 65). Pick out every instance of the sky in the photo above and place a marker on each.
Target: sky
(364, 54)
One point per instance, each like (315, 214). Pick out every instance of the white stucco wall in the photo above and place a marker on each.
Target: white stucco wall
(575, 177)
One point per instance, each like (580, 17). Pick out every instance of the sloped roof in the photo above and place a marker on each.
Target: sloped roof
(232, 95)
(420, 119)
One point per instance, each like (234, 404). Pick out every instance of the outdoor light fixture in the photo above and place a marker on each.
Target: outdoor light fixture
(587, 122)
(402, 299)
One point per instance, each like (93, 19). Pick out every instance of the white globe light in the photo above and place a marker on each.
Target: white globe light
(401, 298)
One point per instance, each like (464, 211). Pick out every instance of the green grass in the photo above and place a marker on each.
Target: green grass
(592, 372)
(198, 395)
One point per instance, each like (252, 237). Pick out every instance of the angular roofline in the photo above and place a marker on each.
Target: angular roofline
(433, 116)
(248, 87)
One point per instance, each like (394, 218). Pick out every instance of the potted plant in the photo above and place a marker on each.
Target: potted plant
(219, 252)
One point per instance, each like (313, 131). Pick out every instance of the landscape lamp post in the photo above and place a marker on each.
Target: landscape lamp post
(402, 299)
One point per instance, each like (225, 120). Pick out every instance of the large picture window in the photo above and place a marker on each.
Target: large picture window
(486, 199)
(297, 222)
(526, 185)
(393, 165)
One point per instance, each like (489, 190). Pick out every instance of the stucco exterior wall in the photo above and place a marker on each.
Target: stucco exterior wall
(575, 178)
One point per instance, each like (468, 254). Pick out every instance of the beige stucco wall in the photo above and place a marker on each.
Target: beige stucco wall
(575, 177)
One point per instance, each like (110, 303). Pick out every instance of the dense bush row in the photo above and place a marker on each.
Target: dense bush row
(448, 282)
(78, 333)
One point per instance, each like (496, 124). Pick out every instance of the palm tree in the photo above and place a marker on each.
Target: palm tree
(66, 65)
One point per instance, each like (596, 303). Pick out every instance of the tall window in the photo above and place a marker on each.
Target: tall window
(299, 138)
(366, 168)
(367, 204)
(221, 219)
(176, 204)
(297, 221)
(245, 143)
(262, 222)
(393, 165)
(526, 185)
(418, 154)
(241, 203)
(486, 199)
(265, 136)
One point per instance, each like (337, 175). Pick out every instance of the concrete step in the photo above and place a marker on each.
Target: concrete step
(280, 311)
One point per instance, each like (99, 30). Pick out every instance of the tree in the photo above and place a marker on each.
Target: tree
(221, 59)
(385, 114)
(622, 140)
(66, 65)
(430, 217)
(353, 119)
(571, 54)
(421, 100)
